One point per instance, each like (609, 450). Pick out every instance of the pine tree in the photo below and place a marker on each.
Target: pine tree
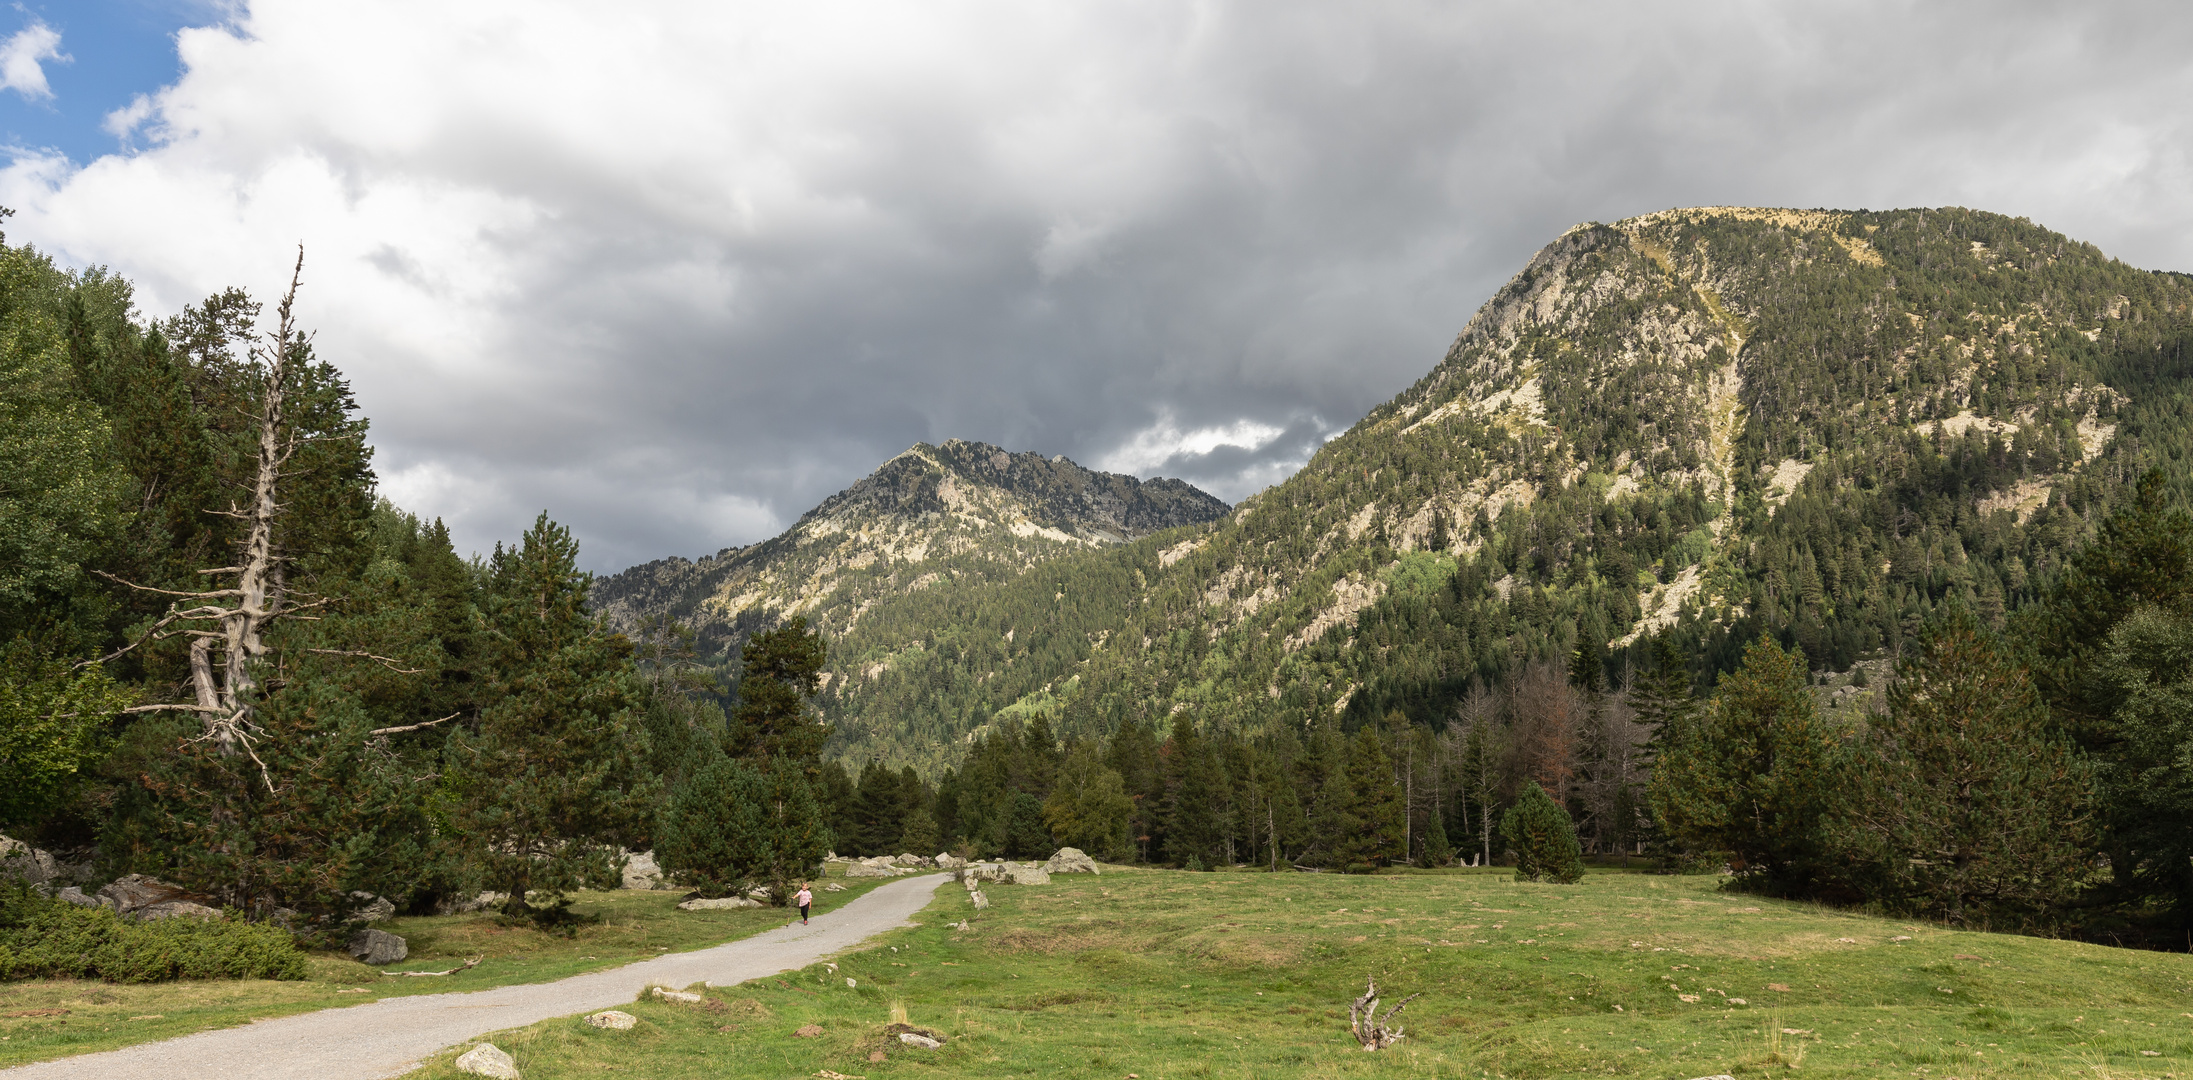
(552, 782)
(1544, 839)
(779, 671)
(1089, 808)
(731, 826)
(1963, 802)
(2148, 663)
(1194, 822)
(1370, 832)
(1752, 776)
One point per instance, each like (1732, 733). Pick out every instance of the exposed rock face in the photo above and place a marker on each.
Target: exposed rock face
(1071, 861)
(883, 534)
(465, 907)
(725, 903)
(641, 871)
(487, 1060)
(371, 908)
(184, 909)
(139, 891)
(74, 895)
(377, 947)
(1025, 875)
(613, 1020)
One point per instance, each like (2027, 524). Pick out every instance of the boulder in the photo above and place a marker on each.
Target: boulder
(911, 859)
(370, 908)
(488, 1060)
(377, 947)
(833, 887)
(1071, 861)
(759, 892)
(482, 902)
(982, 872)
(641, 871)
(922, 1041)
(862, 870)
(719, 904)
(26, 863)
(980, 900)
(612, 1020)
(184, 909)
(74, 895)
(948, 861)
(1026, 875)
(680, 996)
(128, 894)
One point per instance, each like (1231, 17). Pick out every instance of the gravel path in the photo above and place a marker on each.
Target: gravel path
(390, 1036)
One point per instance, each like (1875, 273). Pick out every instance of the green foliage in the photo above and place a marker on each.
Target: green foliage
(1544, 839)
(49, 939)
(1964, 804)
(2147, 664)
(1371, 828)
(551, 782)
(1754, 776)
(712, 828)
(778, 671)
(1089, 808)
(52, 723)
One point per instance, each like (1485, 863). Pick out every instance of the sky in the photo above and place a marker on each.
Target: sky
(676, 272)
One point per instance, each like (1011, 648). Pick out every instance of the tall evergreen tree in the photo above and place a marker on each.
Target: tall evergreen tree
(1964, 802)
(551, 782)
(1370, 833)
(1752, 777)
(2147, 663)
(1544, 839)
(779, 672)
(1088, 807)
(1195, 820)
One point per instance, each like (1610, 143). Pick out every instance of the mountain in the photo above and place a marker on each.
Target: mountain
(960, 512)
(1714, 423)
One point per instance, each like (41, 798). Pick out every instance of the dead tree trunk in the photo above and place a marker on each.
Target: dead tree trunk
(223, 688)
(1367, 1026)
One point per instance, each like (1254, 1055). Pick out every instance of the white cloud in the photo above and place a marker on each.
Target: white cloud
(1164, 442)
(20, 60)
(678, 270)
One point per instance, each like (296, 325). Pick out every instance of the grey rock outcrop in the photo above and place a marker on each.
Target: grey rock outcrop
(369, 908)
(136, 892)
(74, 895)
(377, 947)
(724, 903)
(980, 901)
(613, 1020)
(1071, 861)
(1025, 875)
(641, 871)
(682, 997)
(481, 902)
(948, 861)
(181, 909)
(488, 1060)
(916, 1040)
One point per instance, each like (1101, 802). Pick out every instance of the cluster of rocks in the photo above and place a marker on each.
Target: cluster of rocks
(140, 896)
(896, 865)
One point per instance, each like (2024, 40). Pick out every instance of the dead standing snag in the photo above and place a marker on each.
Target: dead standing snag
(1367, 1026)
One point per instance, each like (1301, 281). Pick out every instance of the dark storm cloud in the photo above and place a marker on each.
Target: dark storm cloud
(678, 278)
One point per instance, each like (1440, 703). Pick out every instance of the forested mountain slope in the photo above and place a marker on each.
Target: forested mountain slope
(961, 512)
(1713, 422)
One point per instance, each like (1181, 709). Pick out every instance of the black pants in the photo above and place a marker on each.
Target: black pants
(803, 912)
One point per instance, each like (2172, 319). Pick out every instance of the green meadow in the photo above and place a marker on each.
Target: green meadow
(1158, 974)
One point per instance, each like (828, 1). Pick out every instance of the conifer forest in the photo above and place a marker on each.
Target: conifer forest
(1849, 552)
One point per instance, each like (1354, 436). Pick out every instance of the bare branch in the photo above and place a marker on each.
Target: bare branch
(224, 570)
(413, 727)
(208, 595)
(467, 965)
(173, 708)
(382, 660)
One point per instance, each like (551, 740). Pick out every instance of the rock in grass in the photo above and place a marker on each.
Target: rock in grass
(680, 996)
(612, 1020)
(1071, 861)
(184, 909)
(1025, 875)
(833, 887)
(641, 871)
(370, 908)
(980, 901)
(377, 947)
(922, 1041)
(719, 904)
(487, 1059)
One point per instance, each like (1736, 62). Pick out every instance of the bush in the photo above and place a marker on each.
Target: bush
(731, 825)
(1544, 839)
(48, 939)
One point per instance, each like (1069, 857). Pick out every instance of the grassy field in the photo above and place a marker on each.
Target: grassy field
(46, 1019)
(1157, 974)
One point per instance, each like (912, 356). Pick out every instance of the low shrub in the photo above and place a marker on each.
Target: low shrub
(46, 939)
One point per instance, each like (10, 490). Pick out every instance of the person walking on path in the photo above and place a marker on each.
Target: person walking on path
(806, 900)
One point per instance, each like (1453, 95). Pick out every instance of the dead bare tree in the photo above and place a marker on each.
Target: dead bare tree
(227, 627)
(1367, 1026)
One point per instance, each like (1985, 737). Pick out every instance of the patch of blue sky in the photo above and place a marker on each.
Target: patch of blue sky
(66, 67)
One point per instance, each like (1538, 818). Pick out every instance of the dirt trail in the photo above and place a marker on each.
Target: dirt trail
(391, 1036)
